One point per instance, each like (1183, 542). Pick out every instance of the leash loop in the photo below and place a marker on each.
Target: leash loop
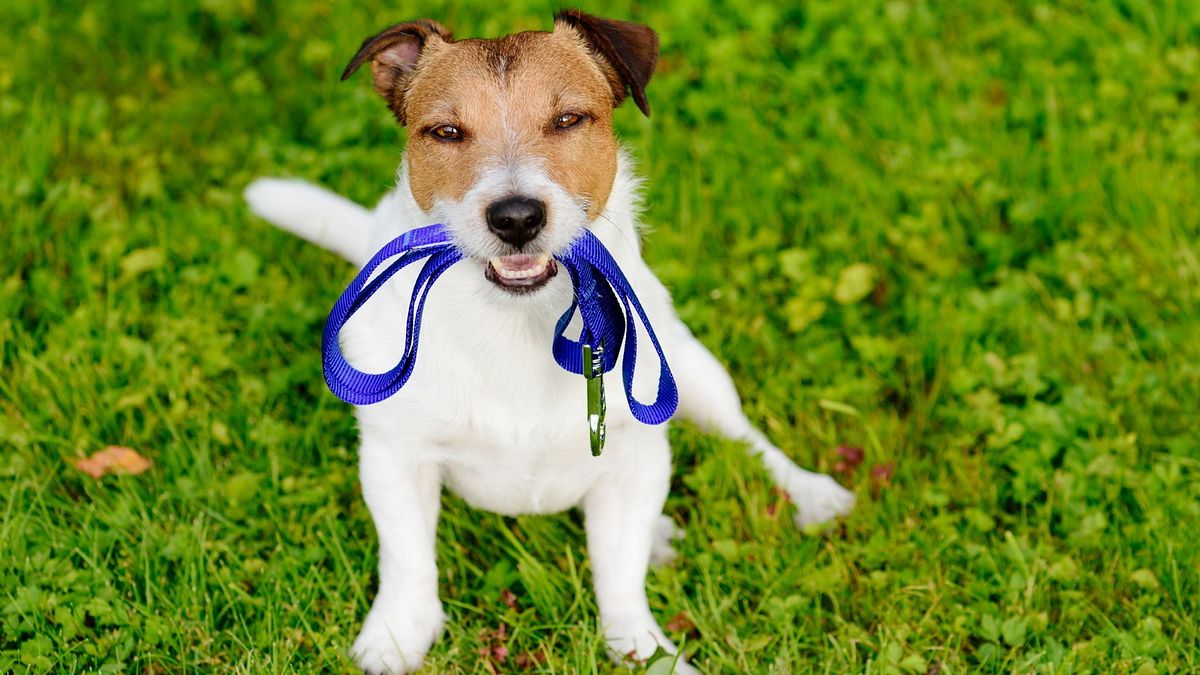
(604, 324)
(349, 383)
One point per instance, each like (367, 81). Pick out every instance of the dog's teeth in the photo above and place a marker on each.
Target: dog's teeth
(526, 269)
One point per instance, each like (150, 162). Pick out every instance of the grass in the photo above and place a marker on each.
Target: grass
(961, 236)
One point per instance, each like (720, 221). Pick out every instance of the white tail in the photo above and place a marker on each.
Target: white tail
(312, 213)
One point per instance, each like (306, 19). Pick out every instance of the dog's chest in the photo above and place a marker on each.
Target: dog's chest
(519, 446)
(519, 479)
(518, 442)
(488, 403)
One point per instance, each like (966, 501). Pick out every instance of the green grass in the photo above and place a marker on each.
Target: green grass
(963, 236)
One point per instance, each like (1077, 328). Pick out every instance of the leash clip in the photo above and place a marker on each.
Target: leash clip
(593, 371)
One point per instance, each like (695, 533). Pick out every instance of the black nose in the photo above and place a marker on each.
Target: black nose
(516, 220)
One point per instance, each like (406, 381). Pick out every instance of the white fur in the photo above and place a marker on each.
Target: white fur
(489, 414)
(319, 216)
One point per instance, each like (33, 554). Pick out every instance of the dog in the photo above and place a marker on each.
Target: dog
(511, 147)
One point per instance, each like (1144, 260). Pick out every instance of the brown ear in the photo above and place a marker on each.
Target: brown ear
(394, 54)
(630, 49)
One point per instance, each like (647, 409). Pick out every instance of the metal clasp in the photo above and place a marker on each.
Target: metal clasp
(593, 371)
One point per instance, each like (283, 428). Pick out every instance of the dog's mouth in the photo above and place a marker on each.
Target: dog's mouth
(521, 272)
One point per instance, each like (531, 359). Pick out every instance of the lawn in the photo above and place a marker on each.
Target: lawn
(961, 237)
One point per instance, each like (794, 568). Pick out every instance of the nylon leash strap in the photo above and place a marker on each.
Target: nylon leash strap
(604, 300)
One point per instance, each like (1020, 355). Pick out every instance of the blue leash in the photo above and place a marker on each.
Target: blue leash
(604, 299)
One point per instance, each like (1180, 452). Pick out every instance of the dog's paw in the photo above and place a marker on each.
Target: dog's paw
(396, 636)
(661, 551)
(634, 641)
(678, 666)
(818, 499)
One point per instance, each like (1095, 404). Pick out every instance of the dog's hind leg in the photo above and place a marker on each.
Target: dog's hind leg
(707, 397)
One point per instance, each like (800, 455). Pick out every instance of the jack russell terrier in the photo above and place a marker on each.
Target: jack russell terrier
(511, 147)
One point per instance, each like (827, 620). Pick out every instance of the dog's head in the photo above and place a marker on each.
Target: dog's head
(510, 140)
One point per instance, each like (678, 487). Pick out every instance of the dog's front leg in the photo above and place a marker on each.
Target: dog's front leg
(406, 617)
(622, 512)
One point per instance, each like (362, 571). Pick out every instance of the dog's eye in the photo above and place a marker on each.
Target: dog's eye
(446, 132)
(567, 120)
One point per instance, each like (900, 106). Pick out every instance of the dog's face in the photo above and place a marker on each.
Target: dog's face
(510, 140)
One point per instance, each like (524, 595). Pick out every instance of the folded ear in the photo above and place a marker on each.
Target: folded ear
(394, 54)
(630, 49)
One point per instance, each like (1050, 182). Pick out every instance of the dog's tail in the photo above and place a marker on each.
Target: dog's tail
(309, 212)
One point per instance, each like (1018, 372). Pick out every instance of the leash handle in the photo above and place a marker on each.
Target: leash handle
(350, 384)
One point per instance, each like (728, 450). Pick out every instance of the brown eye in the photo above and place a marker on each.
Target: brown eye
(567, 120)
(446, 132)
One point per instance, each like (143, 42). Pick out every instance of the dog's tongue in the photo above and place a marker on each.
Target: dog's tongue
(519, 262)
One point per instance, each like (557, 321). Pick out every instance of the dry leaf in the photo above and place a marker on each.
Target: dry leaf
(493, 649)
(509, 598)
(851, 457)
(113, 459)
(528, 660)
(881, 477)
(682, 623)
(883, 472)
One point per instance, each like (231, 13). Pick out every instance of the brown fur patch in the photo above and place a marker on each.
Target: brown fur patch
(504, 96)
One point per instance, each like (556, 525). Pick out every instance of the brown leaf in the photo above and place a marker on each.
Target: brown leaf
(113, 459)
(681, 623)
(493, 649)
(527, 660)
(851, 457)
(881, 477)
(509, 598)
(883, 472)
